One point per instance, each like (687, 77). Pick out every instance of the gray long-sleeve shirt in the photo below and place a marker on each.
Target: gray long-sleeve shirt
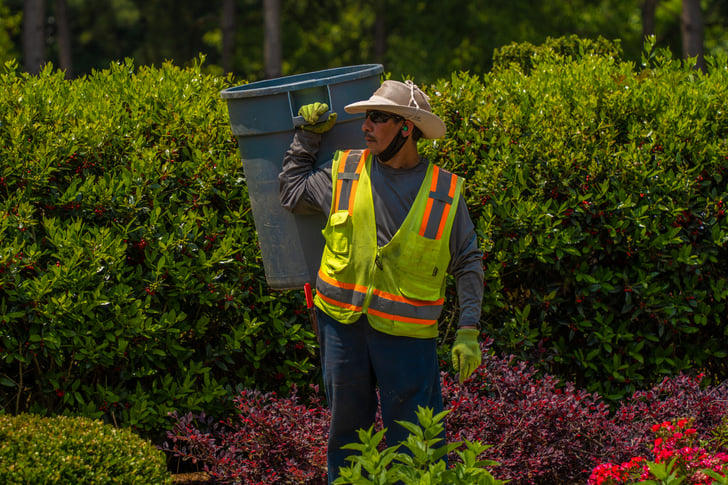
(305, 190)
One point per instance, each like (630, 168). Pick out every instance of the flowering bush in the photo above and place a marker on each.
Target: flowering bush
(677, 457)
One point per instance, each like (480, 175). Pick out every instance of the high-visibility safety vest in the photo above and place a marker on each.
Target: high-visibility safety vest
(401, 285)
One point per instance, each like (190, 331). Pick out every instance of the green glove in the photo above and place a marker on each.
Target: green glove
(311, 113)
(466, 356)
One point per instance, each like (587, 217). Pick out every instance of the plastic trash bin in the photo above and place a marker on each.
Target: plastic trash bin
(263, 117)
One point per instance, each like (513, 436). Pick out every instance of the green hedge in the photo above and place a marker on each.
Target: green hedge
(600, 195)
(523, 55)
(65, 450)
(130, 277)
(131, 283)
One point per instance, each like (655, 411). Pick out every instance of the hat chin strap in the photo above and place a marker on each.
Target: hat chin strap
(394, 146)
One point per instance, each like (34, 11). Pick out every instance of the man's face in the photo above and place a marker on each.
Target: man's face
(379, 130)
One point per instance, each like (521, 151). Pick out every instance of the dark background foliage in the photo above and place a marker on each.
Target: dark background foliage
(426, 40)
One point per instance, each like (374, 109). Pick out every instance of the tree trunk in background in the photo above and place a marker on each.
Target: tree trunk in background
(272, 43)
(228, 34)
(691, 27)
(33, 35)
(648, 8)
(65, 59)
(380, 32)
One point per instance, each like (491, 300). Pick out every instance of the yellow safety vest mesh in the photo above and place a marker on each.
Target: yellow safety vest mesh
(401, 285)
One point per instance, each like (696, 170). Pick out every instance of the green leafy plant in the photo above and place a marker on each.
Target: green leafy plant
(425, 462)
(62, 450)
(523, 55)
(131, 284)
(598, 194)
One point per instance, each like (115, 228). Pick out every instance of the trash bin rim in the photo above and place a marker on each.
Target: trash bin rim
(296, 82)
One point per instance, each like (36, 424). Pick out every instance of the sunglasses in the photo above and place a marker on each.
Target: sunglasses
(382, 117)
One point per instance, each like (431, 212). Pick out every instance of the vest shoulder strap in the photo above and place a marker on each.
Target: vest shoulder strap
(443, 190)
(351, 164)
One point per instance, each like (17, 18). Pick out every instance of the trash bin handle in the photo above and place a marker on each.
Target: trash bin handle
(299, 121)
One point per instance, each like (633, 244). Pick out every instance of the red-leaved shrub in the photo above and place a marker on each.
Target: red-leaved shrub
(678, 397)
(542, 431)
(271, 440)
(547, 432)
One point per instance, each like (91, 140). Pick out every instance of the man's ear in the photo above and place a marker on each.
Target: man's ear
(407, 128)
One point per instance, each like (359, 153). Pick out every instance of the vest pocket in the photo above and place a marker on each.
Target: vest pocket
(337, 234)
(421, 277)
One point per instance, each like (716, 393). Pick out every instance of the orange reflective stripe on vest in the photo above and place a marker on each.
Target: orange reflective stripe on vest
(383, 304)
(442, 191)
(348, 179)
(403, 309)
(345, 295)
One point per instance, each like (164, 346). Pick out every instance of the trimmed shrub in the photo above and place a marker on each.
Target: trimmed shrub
(542, 431)
(131, 282)
(679, 397)
(599, 195)
(63, 450)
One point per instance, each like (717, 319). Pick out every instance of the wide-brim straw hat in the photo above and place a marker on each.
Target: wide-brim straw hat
(406, 100)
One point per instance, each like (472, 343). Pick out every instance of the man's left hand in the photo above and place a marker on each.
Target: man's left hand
(466, 355)
(311, 113)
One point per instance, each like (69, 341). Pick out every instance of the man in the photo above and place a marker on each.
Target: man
(396, 225)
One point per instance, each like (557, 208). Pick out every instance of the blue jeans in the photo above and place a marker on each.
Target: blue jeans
(356, 359)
